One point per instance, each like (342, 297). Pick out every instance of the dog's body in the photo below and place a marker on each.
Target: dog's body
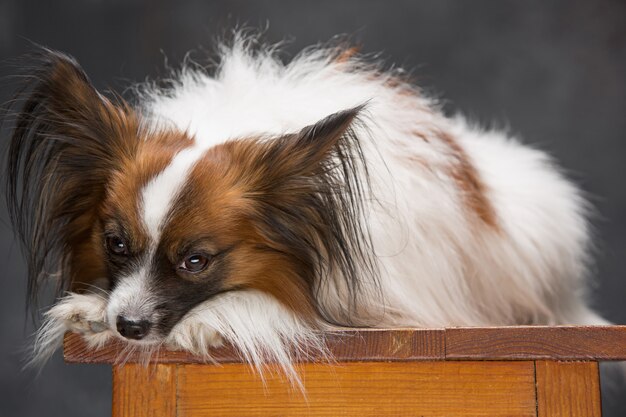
(323, 192)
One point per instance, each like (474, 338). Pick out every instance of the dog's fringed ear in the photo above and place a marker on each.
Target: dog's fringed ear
(305, 152)
(67, 139)
(314, 143)
(311, 187)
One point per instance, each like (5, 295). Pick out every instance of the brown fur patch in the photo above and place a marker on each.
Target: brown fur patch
(467, 180)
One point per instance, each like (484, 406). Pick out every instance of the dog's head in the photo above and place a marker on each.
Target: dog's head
(101, 196)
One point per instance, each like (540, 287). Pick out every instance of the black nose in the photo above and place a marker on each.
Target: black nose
(132, 329)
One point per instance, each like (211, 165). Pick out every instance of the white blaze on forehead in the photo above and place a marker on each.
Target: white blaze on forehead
(158, 195)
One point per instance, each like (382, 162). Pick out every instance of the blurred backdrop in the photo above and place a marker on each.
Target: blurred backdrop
(553, 72)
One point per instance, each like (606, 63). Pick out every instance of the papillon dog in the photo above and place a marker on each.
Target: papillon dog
(265, 203)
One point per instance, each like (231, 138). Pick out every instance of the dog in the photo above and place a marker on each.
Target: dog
(267, 203)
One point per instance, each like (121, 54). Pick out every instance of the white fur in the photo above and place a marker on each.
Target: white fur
(439, 266)
(132, 299)
(262, 329)
(159, 194)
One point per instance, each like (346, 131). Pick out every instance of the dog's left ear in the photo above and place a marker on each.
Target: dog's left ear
(66, 142)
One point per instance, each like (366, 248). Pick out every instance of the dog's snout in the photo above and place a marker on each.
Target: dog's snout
(132, 329)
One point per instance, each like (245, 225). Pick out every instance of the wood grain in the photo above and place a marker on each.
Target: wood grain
(362, 389)
(386, 345)
(343, 345)
(484, 343)
(537, 342)
(147, 391)
(568, 389)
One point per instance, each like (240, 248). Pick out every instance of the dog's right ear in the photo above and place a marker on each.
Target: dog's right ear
(67, 139)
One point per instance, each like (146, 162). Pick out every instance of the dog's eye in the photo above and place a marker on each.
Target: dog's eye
(117, 246)
(194, 263)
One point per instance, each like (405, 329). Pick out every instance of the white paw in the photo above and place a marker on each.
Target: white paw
(81, 313)
(84, 314)
(193, 336)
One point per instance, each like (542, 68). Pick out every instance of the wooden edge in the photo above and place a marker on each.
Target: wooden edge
(344, 345)
(537, 342)
(470, 343)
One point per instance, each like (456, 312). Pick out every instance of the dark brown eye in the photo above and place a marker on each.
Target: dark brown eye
(194, 263)
(117, 246)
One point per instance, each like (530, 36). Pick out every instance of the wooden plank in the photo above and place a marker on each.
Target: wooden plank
(537, 342)
(362, 389)
(343, 345)
(568, 389)
(148, 391)
(387, 345)
(488, 343)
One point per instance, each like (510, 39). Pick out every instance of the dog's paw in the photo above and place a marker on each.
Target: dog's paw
(84, 314)
(194, 337)
(81, 313)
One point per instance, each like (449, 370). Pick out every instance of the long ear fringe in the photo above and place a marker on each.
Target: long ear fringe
(28, 164)
(57, 156)
(30, 177)
(346, 256)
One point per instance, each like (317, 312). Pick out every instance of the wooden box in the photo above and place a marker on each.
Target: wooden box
(503, 371)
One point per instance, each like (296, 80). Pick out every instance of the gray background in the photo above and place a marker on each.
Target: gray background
(552, 71)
